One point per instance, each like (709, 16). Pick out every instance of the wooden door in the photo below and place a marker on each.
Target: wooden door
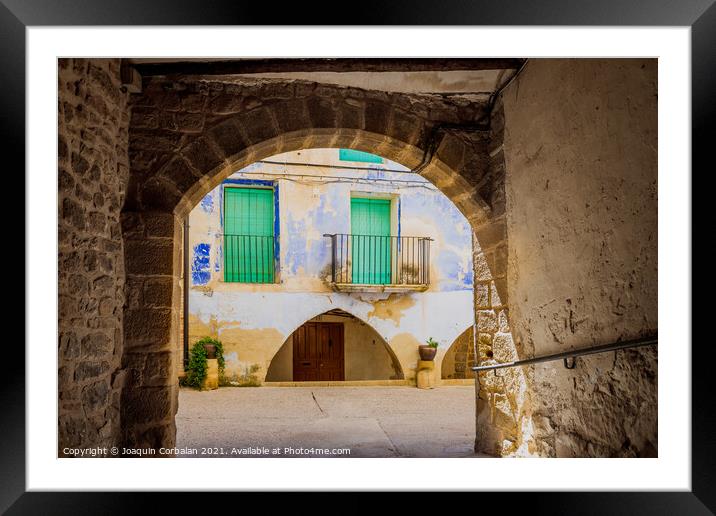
(318, 352)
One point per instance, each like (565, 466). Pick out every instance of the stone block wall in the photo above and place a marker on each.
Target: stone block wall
(93, 170)
(152, 338)
(502, 399)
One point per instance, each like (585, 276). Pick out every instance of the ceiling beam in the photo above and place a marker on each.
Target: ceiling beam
(282, 65)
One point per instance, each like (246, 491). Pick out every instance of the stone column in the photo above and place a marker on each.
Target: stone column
(426, 374)
(151, 328)
(211, 381)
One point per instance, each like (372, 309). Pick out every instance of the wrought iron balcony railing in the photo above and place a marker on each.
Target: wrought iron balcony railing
(249, 259)
(372, 260)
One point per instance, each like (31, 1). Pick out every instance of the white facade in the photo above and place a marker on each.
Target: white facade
(313, 190)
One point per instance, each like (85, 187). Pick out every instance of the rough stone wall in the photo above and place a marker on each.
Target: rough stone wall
(93, 169)
(580, 149)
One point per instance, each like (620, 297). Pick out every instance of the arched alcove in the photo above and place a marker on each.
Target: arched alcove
(367, 356)
(459, 357)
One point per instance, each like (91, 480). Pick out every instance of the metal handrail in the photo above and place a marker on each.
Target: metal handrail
(647, 341)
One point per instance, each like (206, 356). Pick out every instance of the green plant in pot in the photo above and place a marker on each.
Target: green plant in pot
(428, 350)
(201, 351)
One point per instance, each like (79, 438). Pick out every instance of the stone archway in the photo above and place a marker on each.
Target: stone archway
(143, 157)
(186, 136)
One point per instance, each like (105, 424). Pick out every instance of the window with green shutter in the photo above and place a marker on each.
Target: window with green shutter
(370, 240)
(249, 235)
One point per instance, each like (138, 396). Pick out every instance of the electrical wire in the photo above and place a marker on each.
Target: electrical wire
(323, 165)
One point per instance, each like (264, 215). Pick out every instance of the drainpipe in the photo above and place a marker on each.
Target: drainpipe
(185, 292)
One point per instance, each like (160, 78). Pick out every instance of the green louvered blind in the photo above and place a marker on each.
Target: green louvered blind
(249, 235)
(370, 241)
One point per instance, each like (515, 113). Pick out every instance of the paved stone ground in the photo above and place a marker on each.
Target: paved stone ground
(371, 421)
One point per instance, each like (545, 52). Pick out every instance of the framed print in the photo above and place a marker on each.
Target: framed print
(439, 256)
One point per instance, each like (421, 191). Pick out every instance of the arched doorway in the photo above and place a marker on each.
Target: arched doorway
(173, 169)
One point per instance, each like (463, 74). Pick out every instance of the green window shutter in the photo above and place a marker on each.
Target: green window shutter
(370, 243)
(248, 235)
(356, 155)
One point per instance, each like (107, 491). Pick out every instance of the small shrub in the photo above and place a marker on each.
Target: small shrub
(196, 369)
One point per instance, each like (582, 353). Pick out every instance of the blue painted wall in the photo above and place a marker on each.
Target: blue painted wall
(200, 270)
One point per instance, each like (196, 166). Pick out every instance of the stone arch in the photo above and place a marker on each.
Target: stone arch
(186, 136)
(395, 362)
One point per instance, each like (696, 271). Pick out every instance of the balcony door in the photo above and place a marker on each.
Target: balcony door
(370, 240)
(249, 235)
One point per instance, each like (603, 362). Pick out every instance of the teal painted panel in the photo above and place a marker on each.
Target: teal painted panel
(356, 155)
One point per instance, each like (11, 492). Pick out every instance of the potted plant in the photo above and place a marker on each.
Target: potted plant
(427, 351)
(210, 348)
(197, 368)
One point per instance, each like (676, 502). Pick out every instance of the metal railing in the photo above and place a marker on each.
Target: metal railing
(380, 260)
(249, 258)
(647, 341)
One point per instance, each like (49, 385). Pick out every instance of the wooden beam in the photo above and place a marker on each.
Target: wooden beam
(282, 65)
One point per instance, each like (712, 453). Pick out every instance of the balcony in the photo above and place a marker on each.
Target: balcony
(371, 263)
(249, 259)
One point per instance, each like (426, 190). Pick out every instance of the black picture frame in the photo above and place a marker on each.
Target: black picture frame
(700, 15)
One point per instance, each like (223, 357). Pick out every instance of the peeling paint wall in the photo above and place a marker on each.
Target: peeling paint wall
(255, 320)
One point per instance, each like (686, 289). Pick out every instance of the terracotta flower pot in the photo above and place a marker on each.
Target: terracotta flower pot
(427, 352)
(210, 350)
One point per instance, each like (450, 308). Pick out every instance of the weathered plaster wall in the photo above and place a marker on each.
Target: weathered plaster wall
(254, 320)
(580, 149)
(366, 354)
(93, 118)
